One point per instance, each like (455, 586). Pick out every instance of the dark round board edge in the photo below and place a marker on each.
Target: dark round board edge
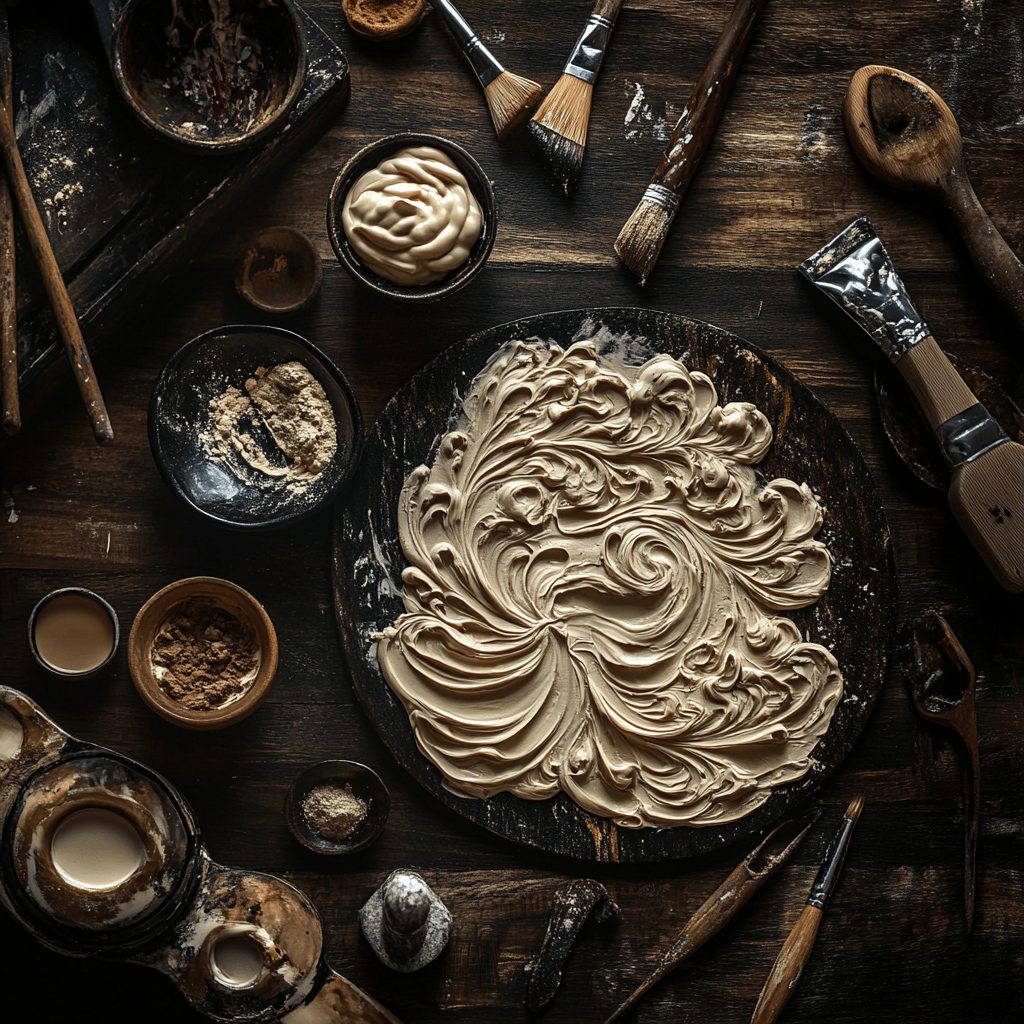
(855, 618)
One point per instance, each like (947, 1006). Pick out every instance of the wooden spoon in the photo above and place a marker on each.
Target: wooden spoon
(905, 135)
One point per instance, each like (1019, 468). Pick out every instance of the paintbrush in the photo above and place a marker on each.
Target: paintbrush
(644, 233)
(8, 314)
(509, 97)
(986, 468)
(791, 960)
(560, 123)
(726, 901)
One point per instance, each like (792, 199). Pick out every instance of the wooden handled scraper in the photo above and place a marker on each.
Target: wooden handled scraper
(986, 491)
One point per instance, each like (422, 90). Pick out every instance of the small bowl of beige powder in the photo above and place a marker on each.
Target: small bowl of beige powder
(202, 653)
(337, 807)
(254, 427)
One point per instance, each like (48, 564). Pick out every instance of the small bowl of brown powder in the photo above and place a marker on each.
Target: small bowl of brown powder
(202, 653)
(337, 807)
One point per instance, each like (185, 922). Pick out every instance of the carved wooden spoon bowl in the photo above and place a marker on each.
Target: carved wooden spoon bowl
(905, 135)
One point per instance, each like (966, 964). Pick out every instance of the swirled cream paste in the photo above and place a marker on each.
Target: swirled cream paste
(413, 217)
(591, 592)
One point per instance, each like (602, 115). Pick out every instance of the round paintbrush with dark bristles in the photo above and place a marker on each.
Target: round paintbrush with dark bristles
(642, 236)
(797, 948)
(509, 97)
(560, 123)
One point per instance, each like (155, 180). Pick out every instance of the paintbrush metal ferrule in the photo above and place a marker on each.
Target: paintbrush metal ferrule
(832, 863)
(661, 196)
(485, 65)
(588, 53)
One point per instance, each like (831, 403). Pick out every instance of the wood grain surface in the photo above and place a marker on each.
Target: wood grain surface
(778, 180)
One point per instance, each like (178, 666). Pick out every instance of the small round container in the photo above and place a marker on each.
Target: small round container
(73, 633)
(366, 786)
(368, 158)
(151, 619)
(168, 70)
(382, 22)
(280, 271)
(228, 490)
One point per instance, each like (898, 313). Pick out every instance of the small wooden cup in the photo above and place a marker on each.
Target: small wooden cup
(148, 623)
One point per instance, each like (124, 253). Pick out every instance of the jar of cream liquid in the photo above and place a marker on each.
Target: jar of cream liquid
(73, 633)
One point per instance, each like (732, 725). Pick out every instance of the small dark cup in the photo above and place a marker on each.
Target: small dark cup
(368, 158)
(366, 785)
(73, 633)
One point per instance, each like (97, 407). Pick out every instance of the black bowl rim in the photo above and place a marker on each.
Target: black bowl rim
(289, 518)
(210, 146)
(369, 156)
(322, 771)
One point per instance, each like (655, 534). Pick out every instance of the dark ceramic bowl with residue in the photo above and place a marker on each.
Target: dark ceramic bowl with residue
(203, 81)
(366, 787)
(239, 465)
(368, 158)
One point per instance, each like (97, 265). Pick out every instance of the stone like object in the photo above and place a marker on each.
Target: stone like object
(405, 922)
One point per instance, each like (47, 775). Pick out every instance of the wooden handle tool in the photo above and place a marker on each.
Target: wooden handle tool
(905, 135)
(642, 236)
(63, 311)
(11, 409)
(796, 950)
(986, 491)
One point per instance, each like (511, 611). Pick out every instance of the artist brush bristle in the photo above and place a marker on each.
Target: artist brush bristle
(856, 806)
(644, 233)
(510, 98)
(560, 126)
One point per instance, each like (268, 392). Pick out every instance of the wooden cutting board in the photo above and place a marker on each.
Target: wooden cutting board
(854, 619)
(123, 208)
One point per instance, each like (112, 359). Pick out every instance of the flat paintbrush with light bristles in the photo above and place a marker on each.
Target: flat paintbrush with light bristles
(509, 97)
(642, 236)
(560, 123)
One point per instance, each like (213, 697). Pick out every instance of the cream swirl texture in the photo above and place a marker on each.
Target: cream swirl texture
(413, 218)
(592, 594)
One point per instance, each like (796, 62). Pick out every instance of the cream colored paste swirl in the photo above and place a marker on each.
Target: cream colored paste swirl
(413, 218)
(590, 595)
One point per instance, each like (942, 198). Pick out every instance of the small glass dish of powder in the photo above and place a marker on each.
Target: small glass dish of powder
(337, 807)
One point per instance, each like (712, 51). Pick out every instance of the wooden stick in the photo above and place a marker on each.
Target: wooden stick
(11, 410)
(63, 310)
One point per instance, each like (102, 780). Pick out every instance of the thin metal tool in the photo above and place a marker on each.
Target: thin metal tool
(8, 296)
(941, 681)
(722, 905)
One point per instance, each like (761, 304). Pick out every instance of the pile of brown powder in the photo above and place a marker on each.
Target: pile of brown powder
(333, 811)
(208, 657)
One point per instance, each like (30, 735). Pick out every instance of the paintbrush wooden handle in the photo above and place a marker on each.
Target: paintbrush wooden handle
(696, 126)
(608, 9)
(63, 311)
(788, 967)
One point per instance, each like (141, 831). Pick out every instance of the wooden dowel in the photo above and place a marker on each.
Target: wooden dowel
(60, 302)
(10, 410)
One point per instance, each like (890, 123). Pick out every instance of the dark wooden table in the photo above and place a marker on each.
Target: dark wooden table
(778, 181)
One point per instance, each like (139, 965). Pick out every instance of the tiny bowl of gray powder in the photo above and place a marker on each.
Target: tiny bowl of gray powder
(254, 427)
(337, 807)
(202, 653)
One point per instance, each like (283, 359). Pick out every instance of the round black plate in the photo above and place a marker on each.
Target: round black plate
(854, 619)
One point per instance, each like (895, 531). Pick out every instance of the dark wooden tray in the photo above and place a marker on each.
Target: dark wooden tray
(122, 208)
(854, 619)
